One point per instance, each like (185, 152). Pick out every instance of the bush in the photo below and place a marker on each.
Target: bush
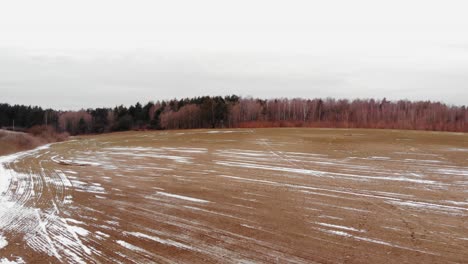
(11, 142)
(47, 134)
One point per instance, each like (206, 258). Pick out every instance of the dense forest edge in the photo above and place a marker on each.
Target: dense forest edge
(238, 112)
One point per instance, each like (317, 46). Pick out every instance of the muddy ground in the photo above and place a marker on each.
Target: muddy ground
(239, 196)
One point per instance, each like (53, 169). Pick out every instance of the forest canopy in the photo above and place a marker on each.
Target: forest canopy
(237, 112)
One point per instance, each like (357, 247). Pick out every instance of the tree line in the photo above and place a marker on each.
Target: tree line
(237, 112)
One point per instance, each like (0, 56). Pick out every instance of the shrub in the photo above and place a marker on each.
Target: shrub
(47, 134)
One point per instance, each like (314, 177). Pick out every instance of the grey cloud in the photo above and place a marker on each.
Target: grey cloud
(73, 82)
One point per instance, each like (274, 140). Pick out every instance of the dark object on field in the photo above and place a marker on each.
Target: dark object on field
(74, 163)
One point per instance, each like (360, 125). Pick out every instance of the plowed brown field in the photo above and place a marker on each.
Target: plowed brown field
(239, 196)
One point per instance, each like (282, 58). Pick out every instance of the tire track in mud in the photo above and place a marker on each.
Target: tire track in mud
(33, 213)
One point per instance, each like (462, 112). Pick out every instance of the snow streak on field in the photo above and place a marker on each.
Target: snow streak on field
(266, 196)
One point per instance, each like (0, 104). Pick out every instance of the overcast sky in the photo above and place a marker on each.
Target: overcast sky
(79, 54)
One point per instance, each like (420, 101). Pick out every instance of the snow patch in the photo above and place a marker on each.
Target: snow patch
(191, 199)
(3, 242)
(340, 227)
(130, 246)
(167, 242)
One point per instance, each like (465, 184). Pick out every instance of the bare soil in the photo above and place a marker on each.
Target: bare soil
(239, 196)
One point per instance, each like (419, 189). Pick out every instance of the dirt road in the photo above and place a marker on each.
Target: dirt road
(239, 196)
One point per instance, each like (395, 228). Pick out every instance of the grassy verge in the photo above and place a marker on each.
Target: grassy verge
(11, 142)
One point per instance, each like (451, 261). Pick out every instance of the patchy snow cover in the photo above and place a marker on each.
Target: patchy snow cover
(44, 230)
(17, 260)
(5, 174)
(432, 206)
(370, 240)
(157, 153)
(53, 229)
(320, 173)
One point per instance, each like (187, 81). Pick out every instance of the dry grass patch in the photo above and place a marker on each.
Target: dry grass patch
(11, 142)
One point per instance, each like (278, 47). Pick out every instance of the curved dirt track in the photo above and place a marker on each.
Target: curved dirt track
(239, 196)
